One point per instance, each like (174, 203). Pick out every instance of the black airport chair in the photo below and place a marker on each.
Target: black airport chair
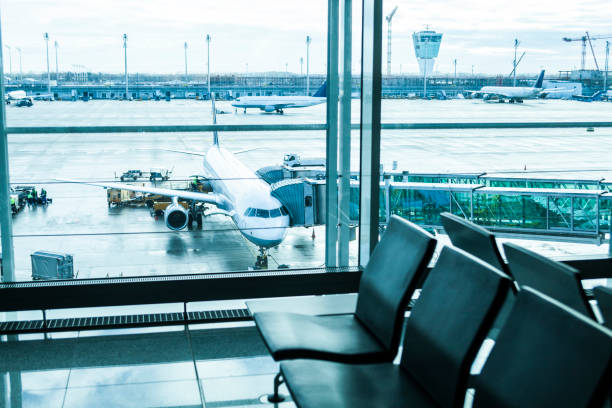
(372, 333)
(603, 295)
(457, 306)
(474, 239)
(552, 278)
(546, 355)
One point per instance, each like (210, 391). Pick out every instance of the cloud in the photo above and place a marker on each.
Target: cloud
(267, 34)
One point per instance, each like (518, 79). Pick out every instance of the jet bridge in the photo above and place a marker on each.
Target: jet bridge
(271, 174)
(303, 198)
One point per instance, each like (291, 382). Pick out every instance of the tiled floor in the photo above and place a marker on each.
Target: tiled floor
(225, 366)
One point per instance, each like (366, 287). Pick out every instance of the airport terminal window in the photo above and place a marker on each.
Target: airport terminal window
(80, 217)
(416, 89)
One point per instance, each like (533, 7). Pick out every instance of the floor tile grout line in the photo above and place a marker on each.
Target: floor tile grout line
(69, 374)
(195, 366)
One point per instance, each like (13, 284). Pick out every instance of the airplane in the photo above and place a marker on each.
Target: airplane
(597, 96)
(280, 103)
(20, 98)
(513, 93)
(237, 192)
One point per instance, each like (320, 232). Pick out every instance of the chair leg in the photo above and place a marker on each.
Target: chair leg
(276, 397)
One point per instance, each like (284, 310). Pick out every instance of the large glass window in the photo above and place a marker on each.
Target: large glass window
(121, 113)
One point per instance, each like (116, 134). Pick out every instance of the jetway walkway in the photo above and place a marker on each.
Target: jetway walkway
(572, 209)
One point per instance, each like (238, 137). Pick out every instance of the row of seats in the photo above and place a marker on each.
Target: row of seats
(546, 353)
(527, 268)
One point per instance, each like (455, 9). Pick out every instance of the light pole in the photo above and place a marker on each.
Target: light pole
(125, 64)
(307, 65)
(208, 62)
(286, 67)
(10, 60)
(455, 63)
(186, 77)
(48, 74)
(516, 44)
(56, 63)
(20, 69)
(301, 66)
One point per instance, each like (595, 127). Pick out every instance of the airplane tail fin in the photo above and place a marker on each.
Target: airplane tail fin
(214, 115)
(540, 80)
(321, 92)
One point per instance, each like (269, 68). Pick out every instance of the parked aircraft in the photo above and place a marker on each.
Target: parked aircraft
(597, 96)
(20, 98)
(513, 93)
(236, 192)
(280, 103)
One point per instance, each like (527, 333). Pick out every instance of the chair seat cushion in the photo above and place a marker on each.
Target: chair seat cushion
(322, 384)
(334, 337)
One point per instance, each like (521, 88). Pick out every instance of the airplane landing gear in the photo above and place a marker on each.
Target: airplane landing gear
(262, 259)
(244, 111)
(280, 111)
(196, 211)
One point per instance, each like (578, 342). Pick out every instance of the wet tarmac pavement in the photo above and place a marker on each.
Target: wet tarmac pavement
(129, 242)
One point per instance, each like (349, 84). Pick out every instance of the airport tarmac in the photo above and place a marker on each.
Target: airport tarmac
(129, 242)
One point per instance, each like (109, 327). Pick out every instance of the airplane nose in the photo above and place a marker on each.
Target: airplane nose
(268, 237)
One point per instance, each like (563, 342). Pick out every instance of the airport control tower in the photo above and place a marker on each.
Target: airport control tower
(426, 47)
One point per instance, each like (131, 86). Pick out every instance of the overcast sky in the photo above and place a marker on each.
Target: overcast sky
(269, 34)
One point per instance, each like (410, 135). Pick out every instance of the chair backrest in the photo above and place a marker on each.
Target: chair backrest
(552, 278)
(459, 301)
(396, 266)
(603, 295)
(546, 355)
(473, 239)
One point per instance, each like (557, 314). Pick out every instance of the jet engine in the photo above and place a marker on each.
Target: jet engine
(176, 217)
(269, 108)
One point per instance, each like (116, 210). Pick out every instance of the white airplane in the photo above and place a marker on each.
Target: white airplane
(280, 103)
(513, 93)
(20, 98)
(236, 191)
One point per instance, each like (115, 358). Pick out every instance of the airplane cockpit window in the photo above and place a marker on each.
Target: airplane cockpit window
(275, 213)
(262, 213)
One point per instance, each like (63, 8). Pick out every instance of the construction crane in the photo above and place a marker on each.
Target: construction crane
(584, 39)
(388, 18)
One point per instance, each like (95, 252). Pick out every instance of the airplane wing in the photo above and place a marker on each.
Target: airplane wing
(209, 198)
(185, 152)
(283, 105)
(265, 105)
(246, 150)
(488, 95)
(544, 92)
(498, 95)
